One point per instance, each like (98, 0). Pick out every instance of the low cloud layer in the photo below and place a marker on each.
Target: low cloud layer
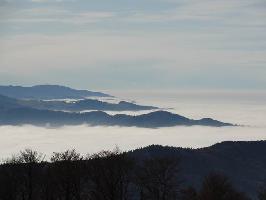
(242, 108)
(92, 139)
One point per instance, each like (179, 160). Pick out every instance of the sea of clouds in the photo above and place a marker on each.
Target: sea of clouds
(245, 110)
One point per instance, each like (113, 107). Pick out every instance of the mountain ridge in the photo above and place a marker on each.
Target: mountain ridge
(47, 92)
(38, 112)
(75, 106)
(24, 115)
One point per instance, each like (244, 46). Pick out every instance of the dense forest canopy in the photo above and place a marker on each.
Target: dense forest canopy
(152, 173)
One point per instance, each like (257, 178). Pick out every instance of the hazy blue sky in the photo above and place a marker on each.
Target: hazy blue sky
(134, 44)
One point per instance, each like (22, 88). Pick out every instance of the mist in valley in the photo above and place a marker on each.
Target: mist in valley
(87, 139)
(244, 109)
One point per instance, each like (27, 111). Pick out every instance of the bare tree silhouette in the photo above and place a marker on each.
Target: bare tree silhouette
(68, 174)
(262, 193)
(109, 175)
(216, 186)
(157, 178)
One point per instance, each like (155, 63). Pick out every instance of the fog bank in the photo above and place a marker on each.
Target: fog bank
(92, 139)
(244, 108)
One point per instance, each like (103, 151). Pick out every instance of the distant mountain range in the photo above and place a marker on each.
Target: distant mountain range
(47, 92)
(24, 115)
(38, 112)
(243, 162)
(74, 106)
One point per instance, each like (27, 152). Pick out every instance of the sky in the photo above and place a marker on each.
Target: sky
(140, 44)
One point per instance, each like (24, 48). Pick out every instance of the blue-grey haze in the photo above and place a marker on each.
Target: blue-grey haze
(141, 44)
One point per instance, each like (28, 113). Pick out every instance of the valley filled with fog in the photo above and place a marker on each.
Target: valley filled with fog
(244, 108)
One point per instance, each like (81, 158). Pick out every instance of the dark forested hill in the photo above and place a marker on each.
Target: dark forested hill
(225, 171)
(47, 92)
(243, 162)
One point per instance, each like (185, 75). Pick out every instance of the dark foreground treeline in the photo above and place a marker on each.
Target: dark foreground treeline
(107, 176)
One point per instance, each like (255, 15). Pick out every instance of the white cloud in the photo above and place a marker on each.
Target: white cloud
(42, 1)
(236, 107)
(238, 12)
(38, 15)
(168, 51)
(38, 0)
(90, 140)
(189, 36)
